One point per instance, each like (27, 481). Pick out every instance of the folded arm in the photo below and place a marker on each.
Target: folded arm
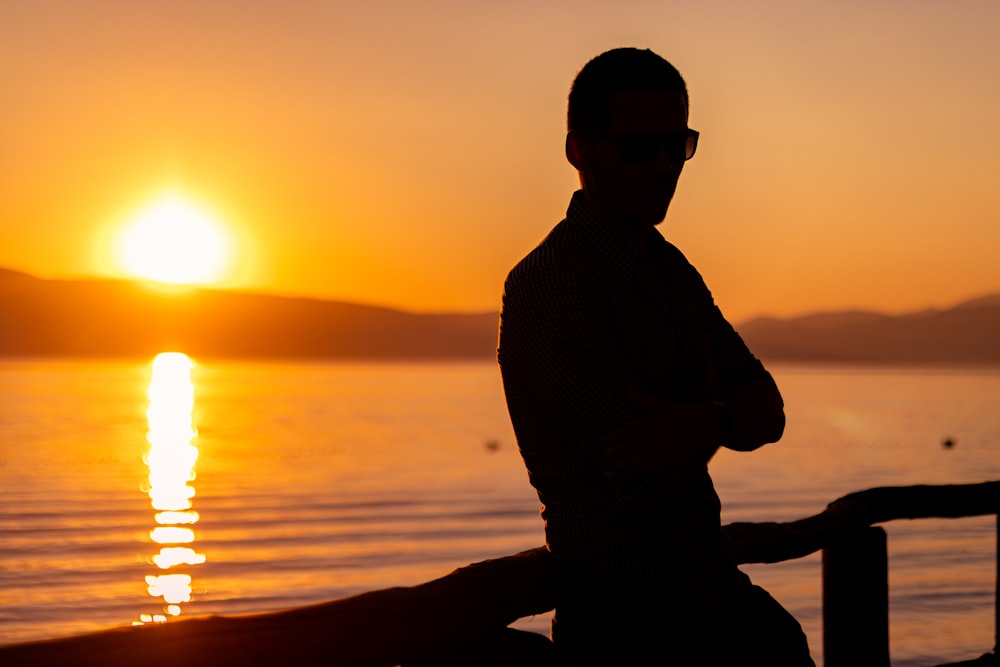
(671, 433)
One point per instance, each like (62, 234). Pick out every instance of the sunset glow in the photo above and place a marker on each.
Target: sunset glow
(409, 154)
(174, 241)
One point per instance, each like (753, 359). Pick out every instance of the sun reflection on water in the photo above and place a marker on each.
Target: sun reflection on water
(171, 460)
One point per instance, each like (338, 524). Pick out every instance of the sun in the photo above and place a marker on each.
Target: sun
(176, 241)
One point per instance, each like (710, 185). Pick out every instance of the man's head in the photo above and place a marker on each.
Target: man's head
(628, 134)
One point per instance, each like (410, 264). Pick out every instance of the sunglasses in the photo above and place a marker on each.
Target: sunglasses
(645, 147)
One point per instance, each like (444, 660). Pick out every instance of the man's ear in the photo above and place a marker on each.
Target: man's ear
(577, 151)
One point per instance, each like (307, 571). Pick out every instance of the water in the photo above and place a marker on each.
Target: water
(316, 481)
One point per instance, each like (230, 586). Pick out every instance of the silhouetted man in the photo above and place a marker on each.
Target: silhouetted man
(622, 380)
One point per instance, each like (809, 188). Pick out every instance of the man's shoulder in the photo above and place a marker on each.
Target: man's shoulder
(562, 251)
(673, 254)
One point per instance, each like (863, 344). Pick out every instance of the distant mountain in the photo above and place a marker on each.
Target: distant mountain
(124, 318)
(968, 333)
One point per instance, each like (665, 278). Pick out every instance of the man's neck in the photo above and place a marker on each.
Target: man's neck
(638, 235)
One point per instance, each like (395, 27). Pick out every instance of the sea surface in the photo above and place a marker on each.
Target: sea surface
(133, 492)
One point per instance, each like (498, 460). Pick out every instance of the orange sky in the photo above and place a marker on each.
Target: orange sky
(407, 154)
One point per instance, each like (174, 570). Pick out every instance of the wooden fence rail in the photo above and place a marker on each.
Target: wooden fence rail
(461, 619)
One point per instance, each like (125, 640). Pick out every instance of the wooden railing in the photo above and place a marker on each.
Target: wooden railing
(462, 618)
(855, 560)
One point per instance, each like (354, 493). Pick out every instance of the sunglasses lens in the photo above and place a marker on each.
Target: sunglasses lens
(639, 149)
(690, 145)
(644, 148)
(676, 147)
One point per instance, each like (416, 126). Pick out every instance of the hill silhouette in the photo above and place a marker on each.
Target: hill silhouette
(968, 333)
(125, 318)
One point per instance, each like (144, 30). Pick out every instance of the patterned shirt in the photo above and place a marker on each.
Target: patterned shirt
(586, 318)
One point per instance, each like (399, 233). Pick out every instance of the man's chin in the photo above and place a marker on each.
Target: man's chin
(652, 206)
(652, 214)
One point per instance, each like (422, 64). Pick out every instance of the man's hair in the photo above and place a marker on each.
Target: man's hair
(615, 71)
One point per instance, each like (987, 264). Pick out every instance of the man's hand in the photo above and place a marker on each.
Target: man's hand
(667, 434)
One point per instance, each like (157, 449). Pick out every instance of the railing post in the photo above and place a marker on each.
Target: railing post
(856, 600)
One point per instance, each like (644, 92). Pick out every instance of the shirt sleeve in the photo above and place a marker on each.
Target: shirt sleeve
(557, 351)
(734, 363)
